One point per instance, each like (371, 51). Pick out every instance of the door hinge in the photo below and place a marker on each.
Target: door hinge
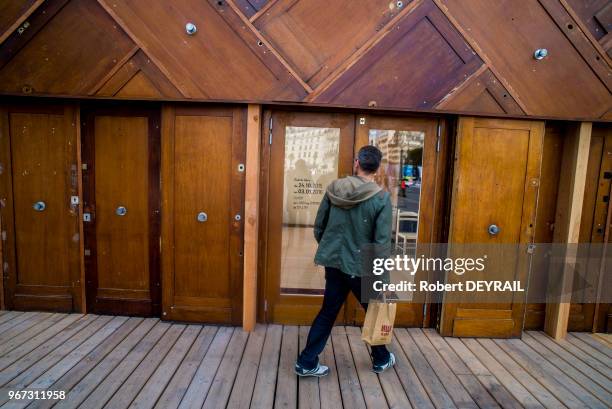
(270, 132)
(438, 133)
(265, 305)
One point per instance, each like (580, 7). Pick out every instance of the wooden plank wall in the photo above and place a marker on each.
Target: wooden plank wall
(425, 55)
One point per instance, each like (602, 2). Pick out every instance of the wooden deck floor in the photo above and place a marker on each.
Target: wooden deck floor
(119, 362)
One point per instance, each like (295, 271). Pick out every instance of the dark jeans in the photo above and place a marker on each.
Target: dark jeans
(337, 287)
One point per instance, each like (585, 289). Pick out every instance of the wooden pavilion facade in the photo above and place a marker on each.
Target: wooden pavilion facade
(145, 149)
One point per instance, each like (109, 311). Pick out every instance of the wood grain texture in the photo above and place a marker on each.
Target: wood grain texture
(417, 62)
(208, 73)
(70, 54)
(251, 206)
(121, 149)
(565, 83)
(202, 261)
(427, 55)
(511, 206)
(39, 143)
(567, 225)
(120, 362)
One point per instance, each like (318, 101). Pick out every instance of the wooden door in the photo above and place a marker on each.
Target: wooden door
(302, 154)
(496, 182)
(408, 143)
(202, 227)
(38, 180)
(121, 149)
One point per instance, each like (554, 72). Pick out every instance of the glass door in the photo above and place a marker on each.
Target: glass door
(307, 152)
(304, 153)
(411, 171)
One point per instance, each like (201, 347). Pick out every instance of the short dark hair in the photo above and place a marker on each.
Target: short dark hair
(369, 158)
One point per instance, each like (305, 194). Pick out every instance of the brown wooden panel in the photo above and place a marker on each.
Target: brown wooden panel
(139, 77)
(203, 260)
(42, 247)
(250, 7)
(417, 62)
(207, 73)
(566, 86)
(11, 11)
(482, 92)
(591, 51)
(552, 153)
(16, 40)
(595, 14)
(69, 55)
(511, 205)
(121, 153)
(315, 42)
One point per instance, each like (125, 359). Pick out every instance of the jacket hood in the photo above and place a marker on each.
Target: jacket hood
(351, 190)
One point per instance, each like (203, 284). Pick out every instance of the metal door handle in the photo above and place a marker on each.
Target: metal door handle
(121, 211)
(39, 206)
(202, 217)
(494, 229)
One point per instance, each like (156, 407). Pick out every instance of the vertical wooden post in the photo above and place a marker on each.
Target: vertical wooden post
(251, 206)
(1, 271)
(567, 223)
(82, 307)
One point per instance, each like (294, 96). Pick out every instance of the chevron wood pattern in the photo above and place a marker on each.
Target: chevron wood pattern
(415, 55)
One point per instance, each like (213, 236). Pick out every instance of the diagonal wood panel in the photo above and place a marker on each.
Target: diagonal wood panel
(14, 13)
(69, 54)
(214, 63)
(417, 63)
(560, 85)
(138, 77)
(482, 92)
(474, 57)
(250, 7)
(316, 37)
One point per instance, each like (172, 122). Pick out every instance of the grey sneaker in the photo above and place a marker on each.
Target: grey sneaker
(320, 370)
(384, 367)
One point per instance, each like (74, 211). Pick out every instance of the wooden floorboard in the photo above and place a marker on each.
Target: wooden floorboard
(121, 362)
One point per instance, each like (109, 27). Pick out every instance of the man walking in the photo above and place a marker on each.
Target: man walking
(355, 213)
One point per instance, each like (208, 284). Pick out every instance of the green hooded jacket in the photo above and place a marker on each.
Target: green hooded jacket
(353, 220)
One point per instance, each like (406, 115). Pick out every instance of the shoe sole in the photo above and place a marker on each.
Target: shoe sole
(314, 375)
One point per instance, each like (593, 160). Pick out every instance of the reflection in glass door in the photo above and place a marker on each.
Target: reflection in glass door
(311, 164)
(400, 174)
(410, 172)
(308, 151)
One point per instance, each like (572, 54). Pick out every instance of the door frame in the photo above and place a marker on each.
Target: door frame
(444, 141)
(118, 306)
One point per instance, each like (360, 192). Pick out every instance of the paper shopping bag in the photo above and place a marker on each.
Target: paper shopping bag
(378, 324)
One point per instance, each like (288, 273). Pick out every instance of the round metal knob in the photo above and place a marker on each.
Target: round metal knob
(121, 211)
(494, 229)
(540, 53)
(190, 29)
(39, 206)
(202, 217)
